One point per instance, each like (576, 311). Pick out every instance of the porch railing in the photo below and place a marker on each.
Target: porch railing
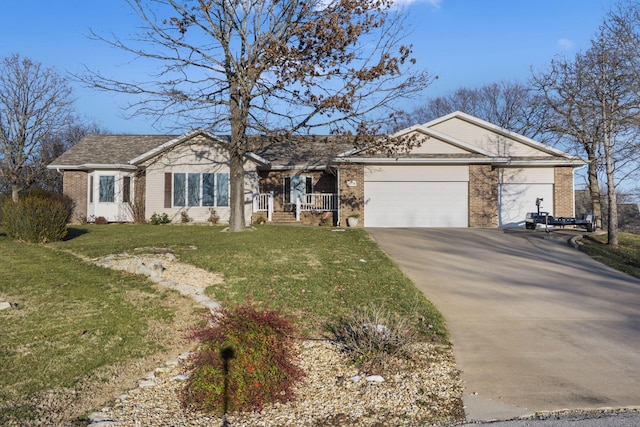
(315, 202)
(264, 203)
(321, 202)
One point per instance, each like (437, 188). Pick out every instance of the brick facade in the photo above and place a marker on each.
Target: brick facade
(74, 185)
(483, 196)
(351, 192)
(563, 198)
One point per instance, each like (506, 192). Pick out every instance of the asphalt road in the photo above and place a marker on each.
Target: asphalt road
(536, 326)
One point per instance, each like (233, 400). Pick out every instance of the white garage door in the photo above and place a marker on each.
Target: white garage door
(518, 199)
(416, 196)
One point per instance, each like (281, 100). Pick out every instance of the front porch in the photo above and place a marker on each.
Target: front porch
(311, 209)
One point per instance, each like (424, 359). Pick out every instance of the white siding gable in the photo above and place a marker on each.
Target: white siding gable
(486, 139)
(437, 146)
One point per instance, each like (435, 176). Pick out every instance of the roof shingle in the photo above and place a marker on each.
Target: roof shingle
(109, 149)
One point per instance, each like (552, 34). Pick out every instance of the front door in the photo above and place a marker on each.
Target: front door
(297, 186)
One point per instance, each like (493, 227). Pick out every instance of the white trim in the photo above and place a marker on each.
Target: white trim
(428, 160)
(93, 166)
(253, 156)
(576, 163)
(298, 167)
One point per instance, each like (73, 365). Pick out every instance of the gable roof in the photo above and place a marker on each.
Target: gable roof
(319, 151)
(459, 115)
(425, 130)
(468, 139)
(311, 152)
(107, 151)
(167, 145)
(128, 151)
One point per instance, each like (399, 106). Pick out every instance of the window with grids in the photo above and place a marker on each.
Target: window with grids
(196, 189)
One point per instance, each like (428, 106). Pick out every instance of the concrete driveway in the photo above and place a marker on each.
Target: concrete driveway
(535, 325)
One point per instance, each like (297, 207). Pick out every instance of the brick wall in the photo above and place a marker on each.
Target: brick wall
(351, 197)
(74, 185)
(563, 191)
(483, 196)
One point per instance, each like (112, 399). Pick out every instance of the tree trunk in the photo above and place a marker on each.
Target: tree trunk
(238, 120)
(15, 190)
(236, 193)
(595, 196)
(612, 199)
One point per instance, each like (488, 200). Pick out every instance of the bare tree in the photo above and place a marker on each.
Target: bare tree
(510, 105)
(35, 103)
(275, 68)
(567, 93)
(596, 103)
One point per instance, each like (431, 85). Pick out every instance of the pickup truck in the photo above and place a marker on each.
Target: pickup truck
(587, 221)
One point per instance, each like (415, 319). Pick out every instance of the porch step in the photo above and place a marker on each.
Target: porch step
(284, 218)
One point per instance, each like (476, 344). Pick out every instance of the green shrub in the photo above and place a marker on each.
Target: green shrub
(372, 336)
(66, 201)
(247, 358)
(35, 218)
(157, 219)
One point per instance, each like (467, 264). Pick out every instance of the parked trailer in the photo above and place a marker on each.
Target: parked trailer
(588, 221)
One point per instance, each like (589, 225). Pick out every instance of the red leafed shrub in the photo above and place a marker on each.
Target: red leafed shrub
(247, 358)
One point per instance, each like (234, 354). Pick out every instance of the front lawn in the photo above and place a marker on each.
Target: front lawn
(72, 321)
(315, 273)
(75, 321)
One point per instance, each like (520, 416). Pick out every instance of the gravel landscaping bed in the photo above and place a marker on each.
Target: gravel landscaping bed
(425, 391)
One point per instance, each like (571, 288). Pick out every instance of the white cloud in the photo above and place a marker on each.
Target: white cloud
(566, 44)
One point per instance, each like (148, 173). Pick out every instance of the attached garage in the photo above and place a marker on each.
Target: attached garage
(518, 191)
(416, 196)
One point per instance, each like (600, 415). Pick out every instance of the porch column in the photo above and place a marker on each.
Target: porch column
(298, 208)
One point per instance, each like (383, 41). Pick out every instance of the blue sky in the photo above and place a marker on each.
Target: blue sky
(465, 42)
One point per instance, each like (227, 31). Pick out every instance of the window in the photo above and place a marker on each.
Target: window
(194, 189)
(91, 189)
(208, 189)
(126, 189)
(197, 189)
(107, 189)
(179, 189)
(222, 189)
